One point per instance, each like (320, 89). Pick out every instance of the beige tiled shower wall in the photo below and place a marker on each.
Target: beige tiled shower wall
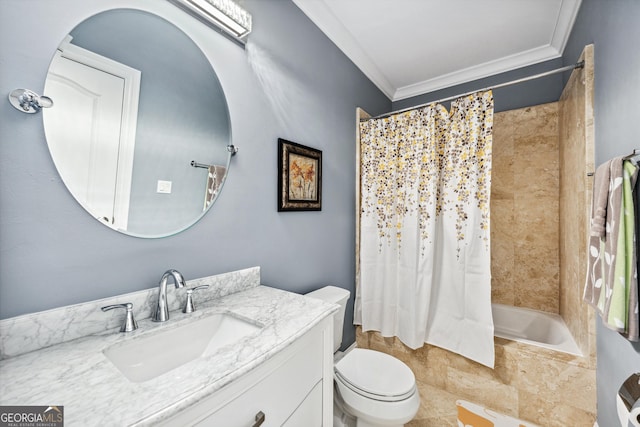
(576, 161)
(525, 262)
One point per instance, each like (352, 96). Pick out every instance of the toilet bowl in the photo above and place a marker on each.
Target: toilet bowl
(371, 388)
(378, 389)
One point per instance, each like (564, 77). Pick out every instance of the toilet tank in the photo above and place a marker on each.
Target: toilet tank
(335, 295)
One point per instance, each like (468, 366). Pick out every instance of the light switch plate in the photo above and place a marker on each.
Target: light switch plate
(164, 187)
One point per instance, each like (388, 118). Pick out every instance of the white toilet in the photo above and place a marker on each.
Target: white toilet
(371, 388)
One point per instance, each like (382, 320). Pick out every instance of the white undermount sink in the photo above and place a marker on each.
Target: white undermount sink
(148, 357)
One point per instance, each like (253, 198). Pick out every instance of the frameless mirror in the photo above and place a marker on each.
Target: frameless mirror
(139, 131)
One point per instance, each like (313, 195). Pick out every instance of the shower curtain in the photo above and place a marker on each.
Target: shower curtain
(424, 227)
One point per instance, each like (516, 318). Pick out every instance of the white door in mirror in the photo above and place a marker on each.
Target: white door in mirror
(91, 130)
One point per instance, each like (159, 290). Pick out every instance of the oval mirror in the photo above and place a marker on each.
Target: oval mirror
(139, 131)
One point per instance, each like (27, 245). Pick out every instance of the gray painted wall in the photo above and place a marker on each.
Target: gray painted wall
(613, 27)
(290, 82)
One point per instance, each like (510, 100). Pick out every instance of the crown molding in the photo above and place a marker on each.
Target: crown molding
(488, 69)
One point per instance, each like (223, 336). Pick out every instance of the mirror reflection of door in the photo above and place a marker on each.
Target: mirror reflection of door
(93, 125)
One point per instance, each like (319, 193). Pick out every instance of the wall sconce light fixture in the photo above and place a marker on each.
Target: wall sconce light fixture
(28, 101)
(224, 14)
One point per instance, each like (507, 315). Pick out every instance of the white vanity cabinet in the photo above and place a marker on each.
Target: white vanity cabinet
(283, 368)
(292, 388)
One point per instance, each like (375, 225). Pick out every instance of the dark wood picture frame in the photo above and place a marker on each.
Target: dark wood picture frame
(299, 177)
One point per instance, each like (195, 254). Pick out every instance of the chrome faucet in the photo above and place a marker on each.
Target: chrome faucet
(161, 313)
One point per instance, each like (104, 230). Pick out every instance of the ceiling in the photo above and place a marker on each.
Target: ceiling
(411, 47)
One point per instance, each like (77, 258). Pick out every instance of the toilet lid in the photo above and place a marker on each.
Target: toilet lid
(376, 375)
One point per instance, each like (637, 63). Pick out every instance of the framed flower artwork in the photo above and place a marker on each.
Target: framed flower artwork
(299, 177)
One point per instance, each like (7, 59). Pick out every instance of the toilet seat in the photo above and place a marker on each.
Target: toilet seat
(375, 375)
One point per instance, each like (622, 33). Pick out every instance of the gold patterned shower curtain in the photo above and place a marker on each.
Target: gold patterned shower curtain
(424, 227)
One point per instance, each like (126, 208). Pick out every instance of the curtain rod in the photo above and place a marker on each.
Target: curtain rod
(512, 82)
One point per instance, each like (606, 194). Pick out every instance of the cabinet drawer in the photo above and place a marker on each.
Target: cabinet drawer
(277, 395)
(290, 381)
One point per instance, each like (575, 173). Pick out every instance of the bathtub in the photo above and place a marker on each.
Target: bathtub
(533, 327)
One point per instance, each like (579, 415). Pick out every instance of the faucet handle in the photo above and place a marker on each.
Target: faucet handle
(129, 322)
(188, 305)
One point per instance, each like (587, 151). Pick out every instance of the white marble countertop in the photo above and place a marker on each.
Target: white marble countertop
(77, 375)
